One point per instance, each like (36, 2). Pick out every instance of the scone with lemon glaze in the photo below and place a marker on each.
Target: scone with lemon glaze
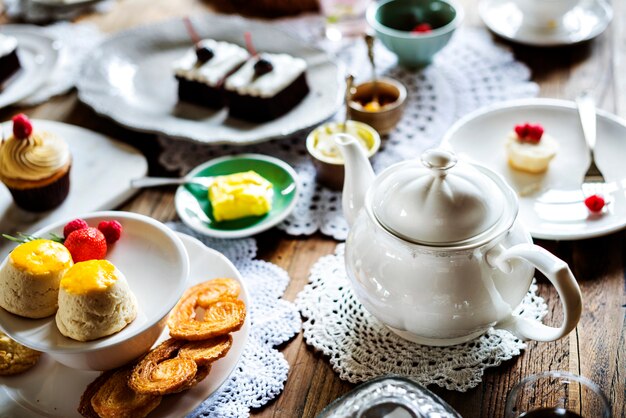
(94, 301)
(35, 166)
(529, 149)
(30, 277)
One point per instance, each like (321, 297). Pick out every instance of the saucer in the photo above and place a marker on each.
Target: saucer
(550, 204)
(584, 22)
(194, 209)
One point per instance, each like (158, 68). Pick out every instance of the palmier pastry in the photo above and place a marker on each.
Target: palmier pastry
(110, 396)
(161, 372)
(223, 313)
(14, 357)
(207, 351)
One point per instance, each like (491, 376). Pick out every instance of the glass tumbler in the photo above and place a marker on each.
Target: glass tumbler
(344, 18)
(556, 394)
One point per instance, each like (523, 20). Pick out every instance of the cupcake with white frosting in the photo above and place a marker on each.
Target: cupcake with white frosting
(35, 166)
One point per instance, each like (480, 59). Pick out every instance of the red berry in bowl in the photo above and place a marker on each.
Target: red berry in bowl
(422, 28)
(22, 128)
(74, 225)
(86, 244)
(112, 230)
(595, 203)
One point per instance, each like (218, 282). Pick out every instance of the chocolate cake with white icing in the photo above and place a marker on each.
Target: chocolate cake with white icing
(202, 70)
(9, 61)
(266, 86)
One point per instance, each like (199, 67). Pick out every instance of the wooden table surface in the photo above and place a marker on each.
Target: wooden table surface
(596, 349)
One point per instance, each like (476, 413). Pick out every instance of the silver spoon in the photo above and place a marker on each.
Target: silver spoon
(168, 181)
(348, 96)
(369, 40)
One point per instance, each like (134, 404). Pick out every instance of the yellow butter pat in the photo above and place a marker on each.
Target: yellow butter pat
(240, 195)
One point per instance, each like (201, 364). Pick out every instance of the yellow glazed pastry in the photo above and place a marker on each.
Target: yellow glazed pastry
(94, 301)
(240, 195)
(30, 276)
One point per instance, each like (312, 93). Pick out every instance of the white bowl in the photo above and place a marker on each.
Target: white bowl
(156, 265)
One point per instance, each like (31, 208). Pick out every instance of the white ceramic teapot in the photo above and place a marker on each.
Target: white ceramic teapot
(436, 253)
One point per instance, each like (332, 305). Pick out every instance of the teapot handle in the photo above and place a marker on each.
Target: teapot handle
(561, 277)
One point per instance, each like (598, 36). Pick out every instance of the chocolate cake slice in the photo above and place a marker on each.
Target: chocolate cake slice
(266, 87)
(9, 61)
(202, 70)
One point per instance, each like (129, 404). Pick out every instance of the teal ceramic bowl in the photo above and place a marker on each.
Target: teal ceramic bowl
(194, 208)
(393, 20)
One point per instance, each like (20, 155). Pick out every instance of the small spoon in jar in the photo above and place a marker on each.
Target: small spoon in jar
(348, 97)
(374, 103)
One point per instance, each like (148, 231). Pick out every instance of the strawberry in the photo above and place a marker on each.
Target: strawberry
(595, 203)
(74, 225)
(22, 128)
(112, 230)
(86, 244)
(422, 28)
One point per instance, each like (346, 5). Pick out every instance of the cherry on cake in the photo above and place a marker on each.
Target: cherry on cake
(202, 70)
(266, 87)
(9, 61)
(530, 149)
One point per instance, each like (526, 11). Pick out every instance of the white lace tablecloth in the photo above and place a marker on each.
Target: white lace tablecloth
(262, 371)
(360, 348)
(469, 73)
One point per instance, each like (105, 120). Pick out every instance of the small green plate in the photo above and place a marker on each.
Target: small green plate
(194, 208)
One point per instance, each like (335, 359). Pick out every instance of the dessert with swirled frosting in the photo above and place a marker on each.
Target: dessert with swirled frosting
(266, 87)
(35, 166)
(9, 61)
(202, 70)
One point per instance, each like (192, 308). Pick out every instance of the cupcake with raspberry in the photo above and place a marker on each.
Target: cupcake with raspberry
(35, 166)
(530, 149)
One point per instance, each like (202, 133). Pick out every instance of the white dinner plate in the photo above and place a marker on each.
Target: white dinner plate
(584, 22)
(95, 183)
(38, 54)
(129, 78)
(551, 204)
(53, 390)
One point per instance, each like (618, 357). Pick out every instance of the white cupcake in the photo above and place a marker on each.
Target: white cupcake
(529, 149)
(94, 301)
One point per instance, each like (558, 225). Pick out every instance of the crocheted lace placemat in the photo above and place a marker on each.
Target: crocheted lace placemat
(360, 348)
(472, 71)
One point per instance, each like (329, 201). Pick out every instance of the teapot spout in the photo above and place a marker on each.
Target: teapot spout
(358, 175)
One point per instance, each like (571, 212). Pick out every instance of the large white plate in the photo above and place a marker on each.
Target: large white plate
(100, 179)
(584, 22)
(38, 54)
(53, 390)
(551, 204)
(129, 78)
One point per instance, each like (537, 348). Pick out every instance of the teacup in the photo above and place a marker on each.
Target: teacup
(545, 13)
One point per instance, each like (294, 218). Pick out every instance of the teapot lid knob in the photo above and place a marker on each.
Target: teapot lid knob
(439, 160)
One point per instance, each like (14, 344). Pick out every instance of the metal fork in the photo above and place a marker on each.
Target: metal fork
(587, 112)
(166, 181)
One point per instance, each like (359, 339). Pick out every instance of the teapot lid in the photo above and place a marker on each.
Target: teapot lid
(442, 201)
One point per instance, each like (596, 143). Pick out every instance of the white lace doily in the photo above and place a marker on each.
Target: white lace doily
(360, 348)
(471, 72)
(262, 371)
(75, 41)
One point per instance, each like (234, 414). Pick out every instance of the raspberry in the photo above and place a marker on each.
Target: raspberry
(422, 28)
(74, 225)
(86, 244)
(529, 133)
(595, 203)
(112, 230)
(22, 128)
